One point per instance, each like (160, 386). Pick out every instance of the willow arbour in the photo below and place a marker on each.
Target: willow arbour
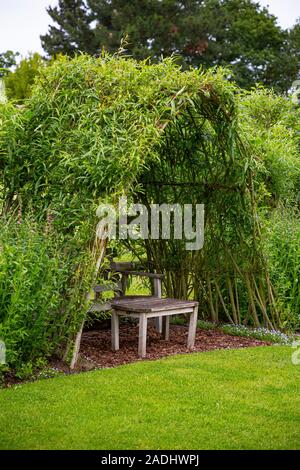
(96, 129)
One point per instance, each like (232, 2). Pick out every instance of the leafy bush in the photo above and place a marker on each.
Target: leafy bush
(18, 84)
(271, 125)
(37, 292)
(282, 244)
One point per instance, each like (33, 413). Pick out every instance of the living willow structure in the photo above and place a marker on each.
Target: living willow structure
(96, 129)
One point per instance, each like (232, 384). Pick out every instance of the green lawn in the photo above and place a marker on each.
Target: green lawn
(235, 399)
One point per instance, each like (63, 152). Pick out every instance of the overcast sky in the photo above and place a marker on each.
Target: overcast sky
(22, 21)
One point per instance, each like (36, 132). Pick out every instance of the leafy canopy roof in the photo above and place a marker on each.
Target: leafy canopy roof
(94, 125)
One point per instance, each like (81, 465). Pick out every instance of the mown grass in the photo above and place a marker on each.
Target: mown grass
(234, 399)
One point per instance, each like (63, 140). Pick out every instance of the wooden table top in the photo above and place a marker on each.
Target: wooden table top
(145, 304)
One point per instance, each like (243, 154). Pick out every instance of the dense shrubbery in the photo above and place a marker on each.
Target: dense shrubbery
(41, 295)
(271, 124)
(282, 241)
(19, 83)
(32, 281)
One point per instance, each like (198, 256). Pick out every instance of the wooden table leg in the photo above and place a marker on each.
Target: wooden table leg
(142, 335)
(166, 327)
(157, 293)
(114, 331)
(192, 328)
(158, 321)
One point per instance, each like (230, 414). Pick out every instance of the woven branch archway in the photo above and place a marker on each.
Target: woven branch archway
(98, 128)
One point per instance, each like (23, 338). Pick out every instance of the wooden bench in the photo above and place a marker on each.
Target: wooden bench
(144, 308)
(122, 270)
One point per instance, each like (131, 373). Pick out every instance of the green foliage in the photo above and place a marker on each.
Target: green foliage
(282, 240)
(98, 128)
(237, 399)
(73, 33)
(25, 371)
(129, 104)
(294, 42)
(18, 84)
(11, 123)
(271, 125)
(38, 308)
(39, 369)
(8, 60)
(206, 325)
(236, 33)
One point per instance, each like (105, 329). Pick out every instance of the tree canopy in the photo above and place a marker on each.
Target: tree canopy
(18, 83)
(238, 33)
(8, 60)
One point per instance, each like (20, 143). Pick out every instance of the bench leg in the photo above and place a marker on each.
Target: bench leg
(166, 327)
(158, 324)
(142, 335)
(114, 331)
(192, 328)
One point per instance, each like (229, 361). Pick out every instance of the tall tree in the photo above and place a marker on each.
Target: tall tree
(294, 43)
(238, 33)
(73, 32)
(8, 60)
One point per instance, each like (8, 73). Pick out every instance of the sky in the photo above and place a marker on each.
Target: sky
(22, 21)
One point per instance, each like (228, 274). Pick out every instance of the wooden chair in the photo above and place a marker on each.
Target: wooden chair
(125, 270)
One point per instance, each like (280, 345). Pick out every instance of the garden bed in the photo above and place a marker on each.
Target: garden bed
(95, 350)
(96, 345)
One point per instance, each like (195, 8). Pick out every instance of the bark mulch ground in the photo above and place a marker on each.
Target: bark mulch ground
(96, 345)
(95, 350)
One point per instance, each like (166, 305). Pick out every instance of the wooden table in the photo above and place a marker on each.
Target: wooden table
(152, 307)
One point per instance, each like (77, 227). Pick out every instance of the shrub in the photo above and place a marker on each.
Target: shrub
(18, 84)
(37, 292)
(270, 124)
(282, 245)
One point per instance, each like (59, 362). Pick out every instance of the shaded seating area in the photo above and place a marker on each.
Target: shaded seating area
(143, 307)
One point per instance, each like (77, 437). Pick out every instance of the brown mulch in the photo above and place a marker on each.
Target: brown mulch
(96, 345)
(95, 350)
